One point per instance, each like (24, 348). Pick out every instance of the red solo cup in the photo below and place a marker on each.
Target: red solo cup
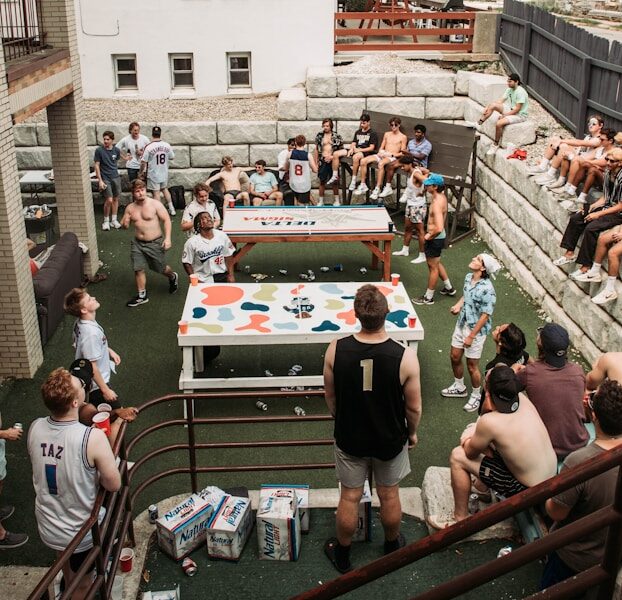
(183, 327)
(412, 321)
(194, 279)
(126, 559)
(232, 203)
(395, 278)
(101, 420)
(104, 407)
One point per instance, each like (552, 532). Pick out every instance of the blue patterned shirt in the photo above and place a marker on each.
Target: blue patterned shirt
(478, 299)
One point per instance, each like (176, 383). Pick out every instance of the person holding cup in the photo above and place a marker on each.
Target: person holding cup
(69, 462)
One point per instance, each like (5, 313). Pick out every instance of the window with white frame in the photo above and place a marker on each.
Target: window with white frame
(182, 71)
(125, 71)
(239, 69)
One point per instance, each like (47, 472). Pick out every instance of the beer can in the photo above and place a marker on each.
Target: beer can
(325, 269)
(473, 504)
(338, 268)
(300, 412)
(18, 426)
(362, 270)
(283, 271)
(261, 405)
(303, 276)
(153, 513)
(189, 566)
(505, 550)
(247, 269)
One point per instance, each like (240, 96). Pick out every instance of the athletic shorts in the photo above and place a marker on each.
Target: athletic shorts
(475, 349)
(76, 560)
(434, 247)
(495, 474)
(512, 118)
(302, 197)
(416, 212)
(113, 188)
(148, 255)
(352, 470)
(156, 186)
(96, 397)
(2, 460)
(325, 171)
(233, 193)
(381, 157)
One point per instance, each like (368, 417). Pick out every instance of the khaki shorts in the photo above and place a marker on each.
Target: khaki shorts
(148, 255)
(156, 186)
(512, 118)
(352, 470)
(475, 349)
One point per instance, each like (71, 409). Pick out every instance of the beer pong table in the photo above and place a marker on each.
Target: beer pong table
(278, 313)
(275, 224)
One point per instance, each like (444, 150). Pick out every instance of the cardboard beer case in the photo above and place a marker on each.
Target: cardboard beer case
(184, 528)
(363, 529)
(302, 493)
(278, 526)
(229, 528)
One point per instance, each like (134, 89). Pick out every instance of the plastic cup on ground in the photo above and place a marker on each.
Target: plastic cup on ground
(104, 407)
(412, 321)
(395, 279)
(183, 327)
(117, 588)
(126, 559)
(101, 420)
(194, 279)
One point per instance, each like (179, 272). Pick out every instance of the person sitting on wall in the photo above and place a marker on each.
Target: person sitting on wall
(233, 179)
(264, 188)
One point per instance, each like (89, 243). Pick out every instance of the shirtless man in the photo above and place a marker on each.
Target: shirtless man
(507, 449)
(607, 366)
(393, 146)
(230, 177)
(328, 142)
(149, 246)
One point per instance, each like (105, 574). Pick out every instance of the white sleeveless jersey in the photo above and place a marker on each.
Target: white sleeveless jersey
(64, 482)
(299, 171)
(156, 155)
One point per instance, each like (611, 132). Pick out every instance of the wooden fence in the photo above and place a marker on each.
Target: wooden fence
(570, 71)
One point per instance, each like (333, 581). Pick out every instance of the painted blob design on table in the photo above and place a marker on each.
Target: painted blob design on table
(256, 323)
(209, 327)
(300, 307)
(295, 291)
(326, 326)
(219, 295)
(286, 326)
(266, 293)
(385, 291)
(398, 318)
(225, 314)
(348, 316)
(331, 288)
(198, 312)
(254, 306)
(399, 299)
(348, 297)
(333, 304)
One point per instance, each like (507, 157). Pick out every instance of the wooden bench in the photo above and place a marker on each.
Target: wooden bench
(454, 148)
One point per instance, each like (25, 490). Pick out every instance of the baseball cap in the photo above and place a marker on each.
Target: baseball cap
(504, 388)
(434, 179)
(491, 264)
(156, 131)
(555, 341)
(83, 370)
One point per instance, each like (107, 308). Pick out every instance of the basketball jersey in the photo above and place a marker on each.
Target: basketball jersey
(156, 155)
(299, 171)
(206, 256)
(370, 417)
(65, 484)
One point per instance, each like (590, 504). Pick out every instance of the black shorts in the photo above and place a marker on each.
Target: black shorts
(96, 397)
(302, 197)
(76, 560)
(434, 247)
(325, 171)
(496, 475)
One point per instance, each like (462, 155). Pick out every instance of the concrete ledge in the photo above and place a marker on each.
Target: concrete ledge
(182, 158)
(211, 156)
(321, 82)
(335, 108)
(267, 152)
(444, 108)
(292, 105)
(246, 132)
(357, 86)
(425, 84)
(191, 133)
(462, 83)
(413, 107)
(25, 134)
(290, 129)
(188, 177)
(33, 158)
(485, 88)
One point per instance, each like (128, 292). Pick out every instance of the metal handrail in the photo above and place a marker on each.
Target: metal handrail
(21, 28)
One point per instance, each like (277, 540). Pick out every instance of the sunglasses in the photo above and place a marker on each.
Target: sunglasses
(393, 124)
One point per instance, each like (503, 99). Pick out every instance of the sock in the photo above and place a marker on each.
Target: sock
(170, 205)
(561, 179)
(595, 269)
(552, 172)
(106, 219)
(114, 217)
(429, 294)
(477, 391)
(321, 198)
(142, 293)
(447, 284)
(405, 249)
(545, 162)
(335, 173)
(571, 189)
(459, 382)
(610, 285)
(582, 197)
(342, 556)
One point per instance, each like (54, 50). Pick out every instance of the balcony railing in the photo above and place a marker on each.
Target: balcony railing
(21, 28)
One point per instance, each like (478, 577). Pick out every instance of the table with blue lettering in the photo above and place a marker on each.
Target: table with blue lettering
(244, 314)
(275, 224)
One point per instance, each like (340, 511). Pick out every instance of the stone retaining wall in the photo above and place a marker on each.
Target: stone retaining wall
(521, 222)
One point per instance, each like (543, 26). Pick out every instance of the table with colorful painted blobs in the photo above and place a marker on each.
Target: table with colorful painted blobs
(370, 225)
(285, 313)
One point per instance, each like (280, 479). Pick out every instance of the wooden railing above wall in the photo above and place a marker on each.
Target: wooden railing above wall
(405, 30)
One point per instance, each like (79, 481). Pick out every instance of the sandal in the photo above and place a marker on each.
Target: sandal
(440, 522)
(330, 546)
(564, 260)
(396, 544)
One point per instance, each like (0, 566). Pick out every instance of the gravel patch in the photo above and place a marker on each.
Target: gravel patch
(380, 64)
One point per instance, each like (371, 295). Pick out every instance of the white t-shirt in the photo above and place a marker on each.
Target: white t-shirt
(281, 160)
(65, 484)
(128, 145)
(91, 343)
(206, 256)
(194, 208)
(156, 155)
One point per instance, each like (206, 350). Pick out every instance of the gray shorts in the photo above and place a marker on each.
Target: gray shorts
(113, 188)
(148, 255)
(352, 470)
(155, 186)
(2, 460)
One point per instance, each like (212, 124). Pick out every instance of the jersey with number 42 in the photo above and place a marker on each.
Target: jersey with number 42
(156, 155)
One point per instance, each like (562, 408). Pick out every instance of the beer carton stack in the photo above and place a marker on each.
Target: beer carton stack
(229, 528)
(302, 493)
(184, 528)
(278, 524)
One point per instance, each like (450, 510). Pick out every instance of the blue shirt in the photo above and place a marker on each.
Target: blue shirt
(478, 299)
(423, 147)
(107, 160)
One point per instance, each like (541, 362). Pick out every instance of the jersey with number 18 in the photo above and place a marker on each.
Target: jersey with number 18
(156, 155)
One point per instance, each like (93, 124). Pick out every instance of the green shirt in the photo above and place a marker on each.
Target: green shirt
(515, 96)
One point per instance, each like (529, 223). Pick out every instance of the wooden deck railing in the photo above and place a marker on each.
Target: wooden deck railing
(21, 28)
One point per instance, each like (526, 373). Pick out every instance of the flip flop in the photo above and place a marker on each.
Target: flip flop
(396, 544)
(440, 522)
(329, 549)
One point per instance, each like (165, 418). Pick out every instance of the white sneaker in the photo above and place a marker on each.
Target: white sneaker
(375, 194)
(116, 224)
(545, 179)
(604, 297)
(454, 391)
(564, 260)
(577, 273)
(420, 259)
(320, 203)
(492, 150)
(171, 210)
(589, 277)
(336, 202)
(403, 198)
(559, 190)
(106, 225)
(361, 189)
(352, 185)
(473, 403)
(387, 190)
(332, 179)
(571, 206)
(537, 169)
(560, 182)
(403, 252)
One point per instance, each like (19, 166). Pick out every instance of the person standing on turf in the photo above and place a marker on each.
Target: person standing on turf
(154, 167)
(474, 312)
(108, 179)
(372, 389)
(299, 165)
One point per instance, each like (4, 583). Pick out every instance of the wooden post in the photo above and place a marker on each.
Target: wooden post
(584, 90)
(526, 52)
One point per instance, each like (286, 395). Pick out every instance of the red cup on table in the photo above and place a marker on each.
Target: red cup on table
(395, 279)
(101, 420)
(412, 321)
(126, 559)
(232, 203)
(183, 327)
(194, 279)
